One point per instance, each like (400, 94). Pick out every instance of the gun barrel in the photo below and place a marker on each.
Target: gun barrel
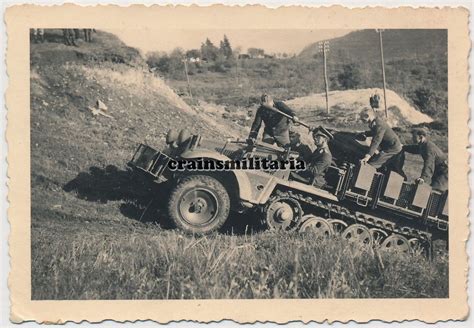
(276, 110)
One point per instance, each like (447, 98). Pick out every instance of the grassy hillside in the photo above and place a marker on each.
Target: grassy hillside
(91, 238)
(415, 63)
(398, 44)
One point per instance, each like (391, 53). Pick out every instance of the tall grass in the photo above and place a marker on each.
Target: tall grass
(154, 264)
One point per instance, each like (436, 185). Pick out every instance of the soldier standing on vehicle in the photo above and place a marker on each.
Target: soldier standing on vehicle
(384, 140)
(321, 158)
(277, 126)
(435, 167)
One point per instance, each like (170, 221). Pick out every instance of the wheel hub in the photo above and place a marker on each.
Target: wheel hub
(198, 206)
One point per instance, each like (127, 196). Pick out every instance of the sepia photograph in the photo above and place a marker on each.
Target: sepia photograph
(210, 163)
(364, 110)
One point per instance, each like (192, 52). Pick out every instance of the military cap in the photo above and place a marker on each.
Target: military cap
(320, 131)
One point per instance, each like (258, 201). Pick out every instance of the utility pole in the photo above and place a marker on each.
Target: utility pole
(324, 48)
(187, 79)
(383, 71)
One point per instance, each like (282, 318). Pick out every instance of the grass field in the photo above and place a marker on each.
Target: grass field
(91, 238)
(137, 261)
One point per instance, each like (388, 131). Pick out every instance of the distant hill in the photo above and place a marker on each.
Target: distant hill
(415, 64)
(398, 44)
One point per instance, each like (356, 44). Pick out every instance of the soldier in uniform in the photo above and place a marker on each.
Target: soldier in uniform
(435, 167)
(321, 158)
(385, 141)
(276, 125)
(38, 35)
(68, 37)
(304, 152)
(88, 34)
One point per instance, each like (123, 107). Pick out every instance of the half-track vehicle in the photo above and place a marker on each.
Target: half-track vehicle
(358, 202)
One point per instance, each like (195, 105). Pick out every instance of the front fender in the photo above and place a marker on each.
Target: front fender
(243, 183)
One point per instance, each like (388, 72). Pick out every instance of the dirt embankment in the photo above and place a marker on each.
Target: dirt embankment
(78, 160)
(346, 105)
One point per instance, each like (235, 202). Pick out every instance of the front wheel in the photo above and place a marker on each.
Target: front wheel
(199, 204)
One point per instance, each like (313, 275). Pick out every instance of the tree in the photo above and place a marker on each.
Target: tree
(193, 53)
(350, 77)
(225, 49)
(255, 52)
(209, 51)
(153, 58)
(427, 101)
(237, 51)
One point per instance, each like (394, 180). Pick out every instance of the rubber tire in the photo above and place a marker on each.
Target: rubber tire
(223, 204)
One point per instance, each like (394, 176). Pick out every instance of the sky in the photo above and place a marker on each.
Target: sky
(272, 41)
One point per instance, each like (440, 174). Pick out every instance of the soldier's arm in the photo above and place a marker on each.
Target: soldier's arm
(284, 108)
(428, 166)
(412, 149)
(257, 123)
(305, 153)
(377, 138)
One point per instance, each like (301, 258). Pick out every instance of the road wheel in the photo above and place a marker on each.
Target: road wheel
(358, 233)
(316, 225)
(338, 226)
(396, 243)
(199, 204)
(378, 235)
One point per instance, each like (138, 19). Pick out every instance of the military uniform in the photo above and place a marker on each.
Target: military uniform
(38, 35)
(276, 125)
(435, 168)
(385, 140)
(320, 161)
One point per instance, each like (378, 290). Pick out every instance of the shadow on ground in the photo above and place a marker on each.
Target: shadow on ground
(142, 200)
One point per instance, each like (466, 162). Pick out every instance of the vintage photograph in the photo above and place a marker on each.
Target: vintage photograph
(113, 217)
(211, 163)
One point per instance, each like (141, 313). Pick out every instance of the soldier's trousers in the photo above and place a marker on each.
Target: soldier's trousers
(439, 181)
(390, 161)
(281, 140)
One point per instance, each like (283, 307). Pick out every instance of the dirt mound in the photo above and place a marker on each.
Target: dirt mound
(105, 47)
(345, 106)
(67, 138)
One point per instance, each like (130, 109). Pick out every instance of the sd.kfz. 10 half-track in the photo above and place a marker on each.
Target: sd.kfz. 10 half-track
(357, 202)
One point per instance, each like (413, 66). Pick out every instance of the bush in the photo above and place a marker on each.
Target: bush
(350, 77)
(427, 100)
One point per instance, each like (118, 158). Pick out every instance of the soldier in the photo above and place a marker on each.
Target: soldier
(384, 140)
(38, 35)
(68, 37)
(276, 125)
(374, 101)
(303, 150)
(321, 158)
(88, 34)
(435, 167)
(76, 33)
